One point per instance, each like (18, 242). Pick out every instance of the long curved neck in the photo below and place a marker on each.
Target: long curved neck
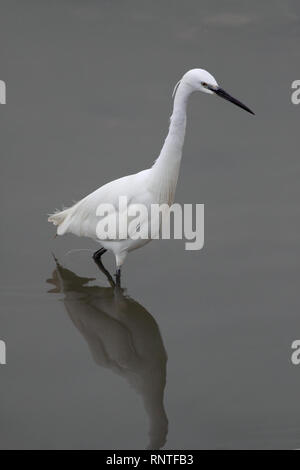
(166, 167)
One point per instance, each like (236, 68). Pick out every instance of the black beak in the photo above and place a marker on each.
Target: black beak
(223, 94)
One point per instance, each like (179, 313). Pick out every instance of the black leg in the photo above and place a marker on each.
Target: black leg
(99, 253)
(97, 258)
(118, 277)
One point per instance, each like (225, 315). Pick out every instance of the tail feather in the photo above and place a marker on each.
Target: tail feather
(58, 216)
(61, 219)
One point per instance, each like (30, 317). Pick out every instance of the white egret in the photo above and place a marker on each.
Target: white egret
(155, 185)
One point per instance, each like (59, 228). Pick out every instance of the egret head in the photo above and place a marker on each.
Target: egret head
(201, 80)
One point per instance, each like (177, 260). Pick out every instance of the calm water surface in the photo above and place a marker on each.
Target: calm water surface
(195, 351)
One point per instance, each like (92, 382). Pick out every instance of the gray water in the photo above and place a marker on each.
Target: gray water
(195, 352)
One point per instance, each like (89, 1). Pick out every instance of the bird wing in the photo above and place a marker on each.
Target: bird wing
(82, 219)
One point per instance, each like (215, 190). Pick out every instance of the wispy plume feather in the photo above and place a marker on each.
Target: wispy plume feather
(175, 88)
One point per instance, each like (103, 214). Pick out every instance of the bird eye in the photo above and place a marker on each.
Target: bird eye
(204, 84)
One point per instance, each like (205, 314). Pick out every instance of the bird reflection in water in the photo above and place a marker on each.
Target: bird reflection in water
(122, 336)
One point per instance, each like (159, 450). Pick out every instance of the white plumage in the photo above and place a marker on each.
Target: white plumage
(155, 185)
